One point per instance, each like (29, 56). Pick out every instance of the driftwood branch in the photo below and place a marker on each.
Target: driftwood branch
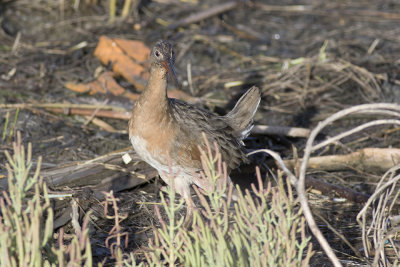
(367, 159)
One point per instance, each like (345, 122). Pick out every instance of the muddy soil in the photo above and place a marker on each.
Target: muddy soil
(253, 43)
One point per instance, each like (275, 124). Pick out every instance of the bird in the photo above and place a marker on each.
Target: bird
(167, 133)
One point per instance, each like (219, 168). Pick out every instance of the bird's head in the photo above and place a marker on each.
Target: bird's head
(163, 56)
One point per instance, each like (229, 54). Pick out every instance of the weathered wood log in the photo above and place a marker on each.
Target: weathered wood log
(85, 181)
(367, 159)
(104, 173)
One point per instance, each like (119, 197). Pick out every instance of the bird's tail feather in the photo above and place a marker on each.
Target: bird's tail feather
(241, 116)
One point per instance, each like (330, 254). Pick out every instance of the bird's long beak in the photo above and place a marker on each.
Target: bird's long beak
(169, 67)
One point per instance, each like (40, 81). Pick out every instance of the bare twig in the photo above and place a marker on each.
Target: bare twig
(90, 118)
(60, 105)
(292, 177)
(355, 130)
(124, 115)
(202, 15)
(281, 130)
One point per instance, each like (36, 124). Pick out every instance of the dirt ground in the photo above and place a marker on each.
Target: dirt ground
(277, 46)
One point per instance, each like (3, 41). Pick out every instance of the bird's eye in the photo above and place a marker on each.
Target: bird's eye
(157, 54)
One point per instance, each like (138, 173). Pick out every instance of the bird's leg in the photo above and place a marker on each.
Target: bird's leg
(181, 186)
(190, 206)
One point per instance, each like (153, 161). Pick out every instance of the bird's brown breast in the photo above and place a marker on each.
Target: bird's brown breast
(162, 137)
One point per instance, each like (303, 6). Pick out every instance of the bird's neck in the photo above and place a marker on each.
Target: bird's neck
(156, 89)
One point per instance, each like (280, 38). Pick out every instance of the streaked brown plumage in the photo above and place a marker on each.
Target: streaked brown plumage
(166, 132)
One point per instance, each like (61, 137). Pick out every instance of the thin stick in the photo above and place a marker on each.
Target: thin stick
(281, 130)
(87, 112)
(77, 109)
(94, 113)
(202, 15)
(277, 157)
(60, 105)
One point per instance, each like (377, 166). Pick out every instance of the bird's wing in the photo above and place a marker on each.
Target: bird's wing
(193, 121)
